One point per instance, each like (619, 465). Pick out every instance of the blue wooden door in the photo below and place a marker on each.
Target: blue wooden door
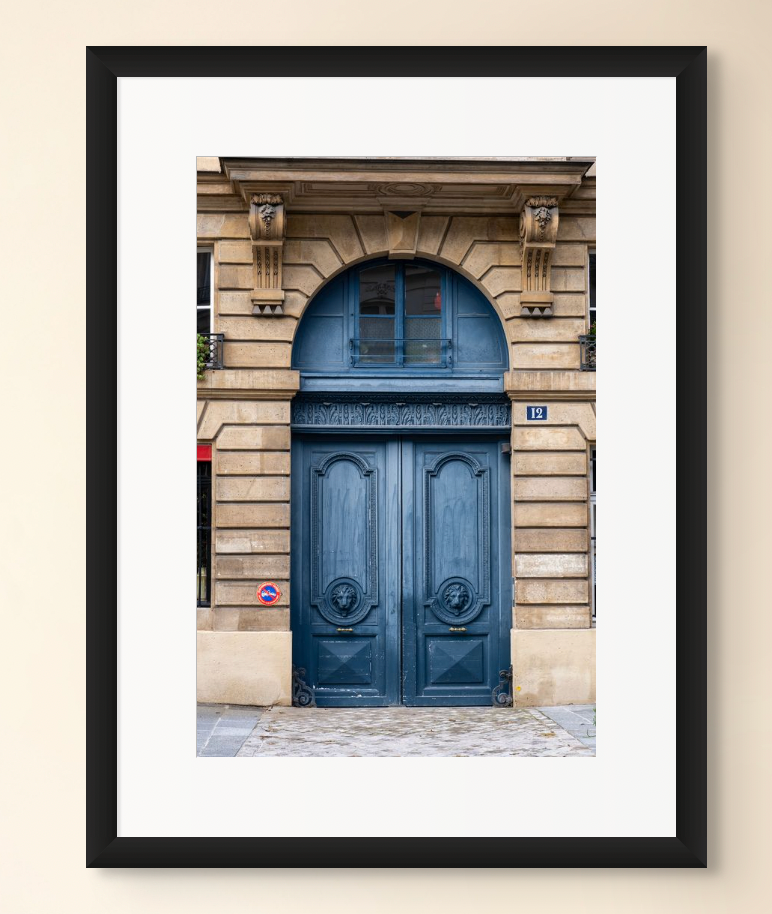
(400, 569)
(345, 594)
(456, 571)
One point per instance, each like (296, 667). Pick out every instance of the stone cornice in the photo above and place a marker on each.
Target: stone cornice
(443, 185)
(496, 168)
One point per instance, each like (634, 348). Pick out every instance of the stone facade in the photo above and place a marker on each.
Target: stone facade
(520, 231)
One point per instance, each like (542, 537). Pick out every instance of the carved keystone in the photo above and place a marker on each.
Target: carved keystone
(538, 234)
(402, 233)
(267, 227)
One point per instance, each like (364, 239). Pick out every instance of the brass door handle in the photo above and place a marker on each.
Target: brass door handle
(454, 628)
(345, 629)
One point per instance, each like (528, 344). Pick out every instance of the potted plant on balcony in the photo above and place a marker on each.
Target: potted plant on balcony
(202, 355)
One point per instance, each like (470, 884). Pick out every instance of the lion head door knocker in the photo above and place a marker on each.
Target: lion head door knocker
(456, 598)
(343, 598)
(456, 602)
(344, 602)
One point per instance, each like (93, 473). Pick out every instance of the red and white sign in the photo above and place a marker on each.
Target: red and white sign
(268, 593)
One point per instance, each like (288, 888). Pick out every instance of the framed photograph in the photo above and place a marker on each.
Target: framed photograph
(396, 583)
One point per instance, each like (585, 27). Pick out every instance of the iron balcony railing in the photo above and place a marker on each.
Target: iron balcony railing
(587, 352)
(433, 352)
(216, 342)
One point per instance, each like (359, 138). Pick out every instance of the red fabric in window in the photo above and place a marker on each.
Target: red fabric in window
(203, 452)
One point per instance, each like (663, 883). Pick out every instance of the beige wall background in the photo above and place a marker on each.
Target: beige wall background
(43, 593)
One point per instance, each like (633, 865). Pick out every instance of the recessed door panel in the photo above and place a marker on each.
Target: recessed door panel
(344, 661)
(455, 661)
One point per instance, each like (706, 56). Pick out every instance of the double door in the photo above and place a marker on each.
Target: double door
(400, 576)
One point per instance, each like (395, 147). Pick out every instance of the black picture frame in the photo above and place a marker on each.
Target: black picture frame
(689, 67)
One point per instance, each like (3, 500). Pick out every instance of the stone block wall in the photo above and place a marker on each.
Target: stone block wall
(250, 511)
(550, 490)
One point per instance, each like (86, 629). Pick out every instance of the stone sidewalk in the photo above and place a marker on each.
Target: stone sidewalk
(395, 732)
(222, 729)
(579, 720)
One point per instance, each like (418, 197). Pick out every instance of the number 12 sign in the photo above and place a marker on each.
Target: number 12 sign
(535, 413)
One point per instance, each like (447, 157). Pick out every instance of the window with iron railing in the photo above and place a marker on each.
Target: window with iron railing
(204, 290)
(587, 342)
(204, 530)
(395, 318)
(210, 345)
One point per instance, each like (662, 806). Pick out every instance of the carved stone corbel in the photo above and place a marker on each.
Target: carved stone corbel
(538, 234)
(266, 226)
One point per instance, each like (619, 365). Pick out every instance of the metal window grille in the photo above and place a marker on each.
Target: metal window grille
(204, 534)
(405, 351)
(216, 344)
(587, 352)
(587, 341)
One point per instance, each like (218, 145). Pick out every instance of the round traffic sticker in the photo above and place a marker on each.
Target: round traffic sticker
(268, 593)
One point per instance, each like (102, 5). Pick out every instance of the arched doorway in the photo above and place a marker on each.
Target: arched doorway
(401, 558)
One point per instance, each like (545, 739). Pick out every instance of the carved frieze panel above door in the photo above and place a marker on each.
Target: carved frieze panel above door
(368, 411)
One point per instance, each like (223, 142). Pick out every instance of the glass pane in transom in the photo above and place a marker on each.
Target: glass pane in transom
(376, 339)
(377, 291)
(423, 296)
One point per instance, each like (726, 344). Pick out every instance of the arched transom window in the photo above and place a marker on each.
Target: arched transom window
(387, 317)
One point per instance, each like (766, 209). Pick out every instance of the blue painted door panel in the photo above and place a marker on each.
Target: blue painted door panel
(345, 569)
(400, 569)
(456, 585)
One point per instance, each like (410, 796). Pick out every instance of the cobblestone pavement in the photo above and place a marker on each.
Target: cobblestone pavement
(222, 729)
(406, 732)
